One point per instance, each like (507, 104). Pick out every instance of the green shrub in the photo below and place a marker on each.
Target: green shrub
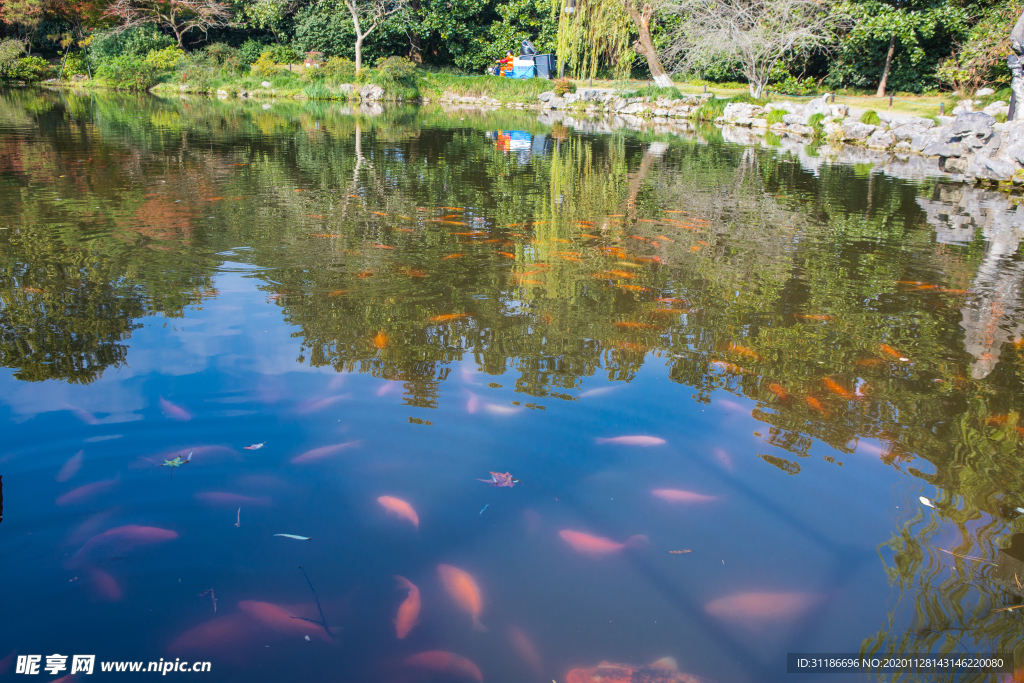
(74, 65)
(264, 66)
(711, 109)
(775, 116)
(870, 117)
(222, 55)
(395, 70)
(816, 122)
(282, 54)
(30, 70)
(166, 59)
(128, 73)
(339, 68)
(251, 51)
(563, 86)
(132, 42)
(795, 86)
(10, 52)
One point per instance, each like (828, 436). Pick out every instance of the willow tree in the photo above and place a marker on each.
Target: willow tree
(593, 33)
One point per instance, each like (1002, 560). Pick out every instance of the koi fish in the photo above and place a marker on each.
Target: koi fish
(695, 248)
(530, 282)
(664, 239)
(445, 258)
(447, 664)
(526, 649)
(812, 317)
(634, 288)
(506, 254)
(118, 539)
(869, 362)
(777, 389)
(448, 317)
(636, 440)
(381, 246)
(378, 213)
(70, 468)
(464, 591)
(621, 273)
(570, 258)
(364, 274)
(635, 326)
(409, 610)
(173, 411)
(761, 607)
(729, 367)
(323, 452)
(84, 493)
(399, 508)
(744, 351)
(338, 292)
(380, 340)
(280, 620)
(677, 496)
(890, 351)
(836, 388)
(816, 404)
(596, 545)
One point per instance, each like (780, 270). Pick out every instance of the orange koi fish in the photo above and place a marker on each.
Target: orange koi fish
(837, 388)
(729, 367)
(569, 253)
(362, 275)
(453, 208)
(777, 389)
(812, 317)
(399, 508)
(445, 258)
(869, 362)
(446, 664)
(381, 246)
(215, 199)
(530, 282)
(464, 591)
(620, 273)
(596, 545)
(559, 239)
(409, 610)
(448, 317)
(635, 326)
(298, 190)
(314, 215)
(634, 288)
(338, 292)
(665, 239)
(889, 351)
(378, 213)
(381, 340)
(816, 404)
(505, 254)
(570, 258)
(744, 351)
(695, 248)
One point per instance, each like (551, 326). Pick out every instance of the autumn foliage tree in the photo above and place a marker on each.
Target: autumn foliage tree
(180, 16)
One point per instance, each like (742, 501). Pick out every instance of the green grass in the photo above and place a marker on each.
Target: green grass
(775, 116)
(715, 107)
(435, 84)
(870, 117)
(656, 93)
(816, 122)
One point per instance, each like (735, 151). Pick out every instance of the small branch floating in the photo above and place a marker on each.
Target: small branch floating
(297, 538)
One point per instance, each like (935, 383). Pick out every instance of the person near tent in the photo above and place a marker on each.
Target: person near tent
(504, 64)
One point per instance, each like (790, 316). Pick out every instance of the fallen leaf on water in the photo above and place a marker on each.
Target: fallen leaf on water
(925, 501)
(255, 446)
(297, 538)
(501, 479)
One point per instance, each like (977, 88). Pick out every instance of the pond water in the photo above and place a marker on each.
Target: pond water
(672, 344)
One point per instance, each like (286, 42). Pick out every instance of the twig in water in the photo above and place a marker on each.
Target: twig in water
(213, 598)
(323, 619)
(238, 518)
(966, 557)
(1007, 609)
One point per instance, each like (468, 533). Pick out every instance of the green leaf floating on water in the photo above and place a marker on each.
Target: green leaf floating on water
(297, 538)
(177, 462)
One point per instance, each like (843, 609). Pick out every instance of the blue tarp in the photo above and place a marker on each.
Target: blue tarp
(522, 72)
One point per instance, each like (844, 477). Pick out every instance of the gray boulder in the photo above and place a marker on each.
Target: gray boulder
(546, 96)
(881, 139)
(371, 92)
(793, 119)
(985, 92)
(997, 108)
(942, 149)
(817, 106)
(741, 110)
(855, 130)
(800, 129)
(991, 168)
(634, 108)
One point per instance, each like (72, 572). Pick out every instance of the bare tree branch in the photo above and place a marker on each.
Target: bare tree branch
(181, 16)
(756, 33)
(370, 13)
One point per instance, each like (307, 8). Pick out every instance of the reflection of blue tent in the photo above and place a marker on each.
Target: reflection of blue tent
(519, 139)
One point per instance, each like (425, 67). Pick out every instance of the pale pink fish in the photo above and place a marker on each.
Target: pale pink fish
(600, 391)
(869, 447)
(255, 446)
(313, 405)
(90, 527)
(677, 496)
(723, 457)
(88, 492)
(409, 610)
(468, 375)
(731, 405)
(104, 586)
(597, 545)
(336, 382)
(323, 452)
(281, 620)
(450, 665)
(83, 415)
(526, 650)
(389, 387)
(71, 467)
(759, 608)
(173, 411)
(229, 499)
(495, 409)
(400, 508)
(225, 636)
(120, 538)
(638, 440)
(473, 404)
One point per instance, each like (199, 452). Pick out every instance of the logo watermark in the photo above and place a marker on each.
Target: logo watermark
(33, 665)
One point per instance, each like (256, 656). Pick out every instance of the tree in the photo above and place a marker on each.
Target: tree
(644, 45)
(755, 33)
(180, 16)
(370, 14)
